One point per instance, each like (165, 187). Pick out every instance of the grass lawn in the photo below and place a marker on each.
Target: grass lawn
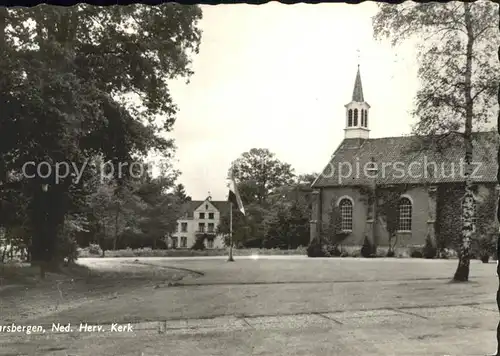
(24, 296)
(370, 306)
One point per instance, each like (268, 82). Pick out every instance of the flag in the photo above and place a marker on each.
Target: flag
(234, 196)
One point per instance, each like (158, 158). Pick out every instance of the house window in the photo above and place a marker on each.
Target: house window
(202, 215)
(345, 206)
(210, 227)
(184, 227)
(405, 210)
(349, 122)
(210, 243)
(355, 117)
(201, 227)
(206, 206)
(174, 242)
(211, 216)
(474, 218)
(184, 241)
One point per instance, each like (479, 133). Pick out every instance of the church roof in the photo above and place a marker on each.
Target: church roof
(410, 160)
(357, 94)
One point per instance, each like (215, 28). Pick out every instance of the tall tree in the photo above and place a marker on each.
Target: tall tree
(162, 207)
(71, 74)
(180, 193)
(287, 224)
(116, 210)
(307, 179)
(457, 72)
(261, 173)
(242, 231)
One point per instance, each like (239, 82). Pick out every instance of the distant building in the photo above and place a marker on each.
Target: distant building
(199, 217)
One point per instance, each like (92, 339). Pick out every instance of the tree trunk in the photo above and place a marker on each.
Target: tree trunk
(462, 272)
(498, 213)
(116, 228)
(43, 269)
(41, 233)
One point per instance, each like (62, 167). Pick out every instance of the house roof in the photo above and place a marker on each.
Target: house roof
(188, 208)
(410, 160)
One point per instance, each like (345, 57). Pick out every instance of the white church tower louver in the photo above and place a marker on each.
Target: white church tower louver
(356, 120)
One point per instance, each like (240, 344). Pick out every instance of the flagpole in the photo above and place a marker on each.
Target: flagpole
(230, 259)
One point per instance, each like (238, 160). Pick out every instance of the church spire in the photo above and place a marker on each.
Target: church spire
(357, 94)
(356, 125)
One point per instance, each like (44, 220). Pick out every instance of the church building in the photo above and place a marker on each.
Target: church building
(424, 176)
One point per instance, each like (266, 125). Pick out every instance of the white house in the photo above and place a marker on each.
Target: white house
(199, 216)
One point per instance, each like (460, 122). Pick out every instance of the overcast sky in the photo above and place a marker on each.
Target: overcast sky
(278, 76)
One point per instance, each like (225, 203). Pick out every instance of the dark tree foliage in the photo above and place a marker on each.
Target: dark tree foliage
(456, 42)
(69, 74)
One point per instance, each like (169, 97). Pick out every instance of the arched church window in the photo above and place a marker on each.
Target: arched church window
(345, 206)
(355, 117)
(349, 122)
(366, 118)
(362, 117)
(405, 213)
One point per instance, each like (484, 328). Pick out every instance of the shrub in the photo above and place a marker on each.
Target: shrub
(485, 258)
(348, 250)
(315, 249)
(381, 251)
(341, 236)
(390, 253)
(443, 253)
(149, 252)
(199, 243)
(301, 250)
(367, 250)
(356, 253)
(402, 252)
(486, 248)
(416, 253)
(333, 251)
(161, 244)
(429, 251)
(447, 253)
(94, 249)
(66, 250)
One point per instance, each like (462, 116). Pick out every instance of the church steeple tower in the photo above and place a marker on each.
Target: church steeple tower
(356, 123)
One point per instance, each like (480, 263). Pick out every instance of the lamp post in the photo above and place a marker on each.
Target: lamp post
(230, 257)
(498, 219)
